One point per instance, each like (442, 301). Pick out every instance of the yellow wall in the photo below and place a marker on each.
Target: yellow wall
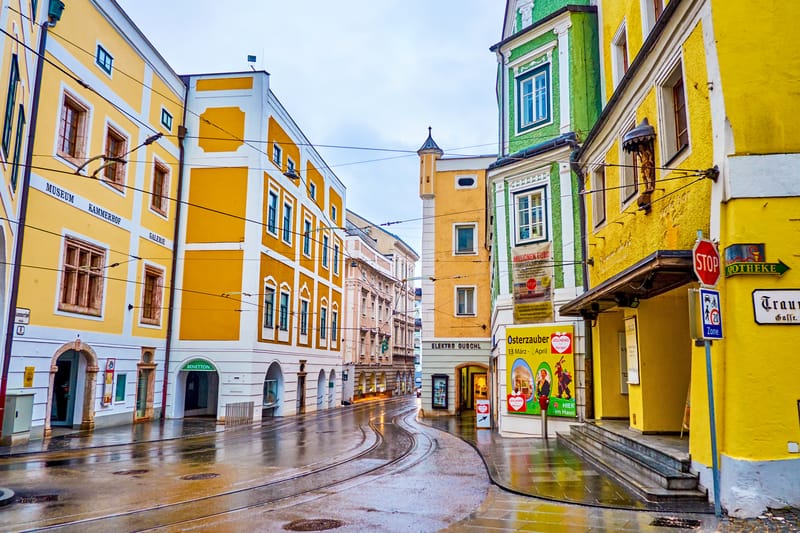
(308, 262)
(223, 190)
(205, 313)
(282, 274)
(157, 257)
(335, 201)
(277, 134)
(456, 207)
(314, 176)
(224, 84)
(221, 129)
(609, 401)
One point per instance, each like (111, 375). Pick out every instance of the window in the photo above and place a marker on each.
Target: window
(465, 182)
(363, 305)
(272, 213)
(464, 238)
(325, 251)
(277, 155)
(158, 199)
(17, 147)
(34, 6)
(307, 237)
(105, 61)
(283, 312)
(533, 98)
(269, 307)
(303, 317)
(530, 215)
(287, 223)
(674, 114)
(599, 196)
(72, 129)
(651, 12)
(619, 54)
(151, 296)
(323, 323)
(11, 102)
(465, 301)
(629, 175)
(333, 213)
(116, 147)
(336, 258)
(119, 390)
(166, 119)
(312, 190)
(82, 278)
(334, 326)
(289, 165)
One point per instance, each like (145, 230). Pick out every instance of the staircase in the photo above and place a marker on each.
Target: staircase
(656, 475)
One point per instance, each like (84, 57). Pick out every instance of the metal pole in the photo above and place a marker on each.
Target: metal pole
(714, 465)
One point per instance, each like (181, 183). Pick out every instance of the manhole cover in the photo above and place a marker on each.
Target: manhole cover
(195, 477)
(130, 472)
(37, 498)
(680, 523)
(315, 524)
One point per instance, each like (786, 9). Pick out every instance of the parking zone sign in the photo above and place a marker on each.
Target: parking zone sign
(711, 314)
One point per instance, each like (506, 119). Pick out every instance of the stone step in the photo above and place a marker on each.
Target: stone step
(633, 475)
(682, 464)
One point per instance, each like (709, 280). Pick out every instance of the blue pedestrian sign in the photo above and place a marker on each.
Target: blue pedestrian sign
(711, 314)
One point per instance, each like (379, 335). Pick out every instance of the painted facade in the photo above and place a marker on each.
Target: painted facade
(403, 260)
(265, 216)
(456, 306)
(91, 298)
(713, 151)
(547, 100)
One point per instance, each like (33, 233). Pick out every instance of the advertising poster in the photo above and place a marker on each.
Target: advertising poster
(532, 272)
(540, 362)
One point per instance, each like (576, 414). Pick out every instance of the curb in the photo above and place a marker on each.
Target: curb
(6, 496)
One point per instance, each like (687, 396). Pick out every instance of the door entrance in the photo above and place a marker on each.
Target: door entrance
(301, 393)
(142, 390)
(196, 391)
(480, 387)
(65, 387)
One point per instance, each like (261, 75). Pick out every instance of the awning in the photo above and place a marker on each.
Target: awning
(656, 274)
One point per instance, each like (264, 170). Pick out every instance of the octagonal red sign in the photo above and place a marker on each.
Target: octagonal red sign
(706, 263)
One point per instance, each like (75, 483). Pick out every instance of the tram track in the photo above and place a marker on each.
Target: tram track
(393, 446)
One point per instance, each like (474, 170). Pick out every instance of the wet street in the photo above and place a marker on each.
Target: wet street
(368, 467)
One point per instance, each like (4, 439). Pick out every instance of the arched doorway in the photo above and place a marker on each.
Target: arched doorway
(273, 391)
(472, 384)
(398, 383)
(331, 388)
(321, 383)
(73, 379)
(199, 382)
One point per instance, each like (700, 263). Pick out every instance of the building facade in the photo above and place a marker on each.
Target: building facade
(264, 216)
(548, 101)
(96, 200)
(368, 317)
(691, 143)
(456, 306)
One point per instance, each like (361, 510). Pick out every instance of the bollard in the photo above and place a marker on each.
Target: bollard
(544, 402)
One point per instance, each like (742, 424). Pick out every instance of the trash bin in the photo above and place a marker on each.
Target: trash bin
(17, 418)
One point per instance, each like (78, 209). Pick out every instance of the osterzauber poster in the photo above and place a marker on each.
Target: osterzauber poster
(540, 362)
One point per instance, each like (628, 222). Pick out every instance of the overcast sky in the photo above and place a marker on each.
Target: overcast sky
(356, 73)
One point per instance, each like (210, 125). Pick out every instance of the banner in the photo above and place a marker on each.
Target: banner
(532, 272)
(540, 362)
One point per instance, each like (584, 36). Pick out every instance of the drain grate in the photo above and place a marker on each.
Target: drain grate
(314, 524)
(38, 498)
(195, 477)
(130, 472)
(680, 523)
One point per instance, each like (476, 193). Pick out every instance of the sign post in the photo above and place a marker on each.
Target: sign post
(706, 264)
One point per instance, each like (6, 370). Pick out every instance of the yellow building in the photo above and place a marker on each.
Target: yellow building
(697, 134)
(456, 300)
(91, 299)
(260, 259)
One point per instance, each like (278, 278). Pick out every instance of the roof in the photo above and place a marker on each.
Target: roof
(429, 145)
(567, 139)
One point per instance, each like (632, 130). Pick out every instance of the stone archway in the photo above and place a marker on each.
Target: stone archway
(87, 413)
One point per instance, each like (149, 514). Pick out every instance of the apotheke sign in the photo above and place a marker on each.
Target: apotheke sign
(777, 306)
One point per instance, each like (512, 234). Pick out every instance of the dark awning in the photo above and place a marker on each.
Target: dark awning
(656, 274)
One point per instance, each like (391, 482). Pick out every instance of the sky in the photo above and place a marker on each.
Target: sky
(354, 73)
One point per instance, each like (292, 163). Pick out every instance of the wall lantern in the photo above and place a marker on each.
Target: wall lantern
(639, 142)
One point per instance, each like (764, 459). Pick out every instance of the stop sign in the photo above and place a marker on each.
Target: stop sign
(705, 258)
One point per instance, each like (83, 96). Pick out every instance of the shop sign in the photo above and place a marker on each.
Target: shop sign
(482, 419)
(540, 363)
(198, 365)
(108, 380)
(778, 306)
(774, 269)
(27, 380)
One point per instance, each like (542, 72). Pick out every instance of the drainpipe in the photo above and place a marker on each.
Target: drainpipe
(174, 267)
(54, 15)
(587, 322)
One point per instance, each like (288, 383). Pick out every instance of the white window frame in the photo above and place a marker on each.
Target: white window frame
(272, 225)
(283, 334)
(599, 205)
(529, 192)
(100, 65)
(312, 190)
(628, 172)
(462, 289)
(620, 54)
(277, 155)
(166, 119)
(158, 295)
(336, 253)
(165, 188)
(334, 213)
(459, 177)
(463, 225)
(671, 153)
(83, 131)
(649, 17)
(286, 232)
(268, 330)
(307, 229)
(284, 312)
(323, 325)
(334, 326)
(121, 169)
(325, 253)
(290, 168)
(532, 74)
(305, 305)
